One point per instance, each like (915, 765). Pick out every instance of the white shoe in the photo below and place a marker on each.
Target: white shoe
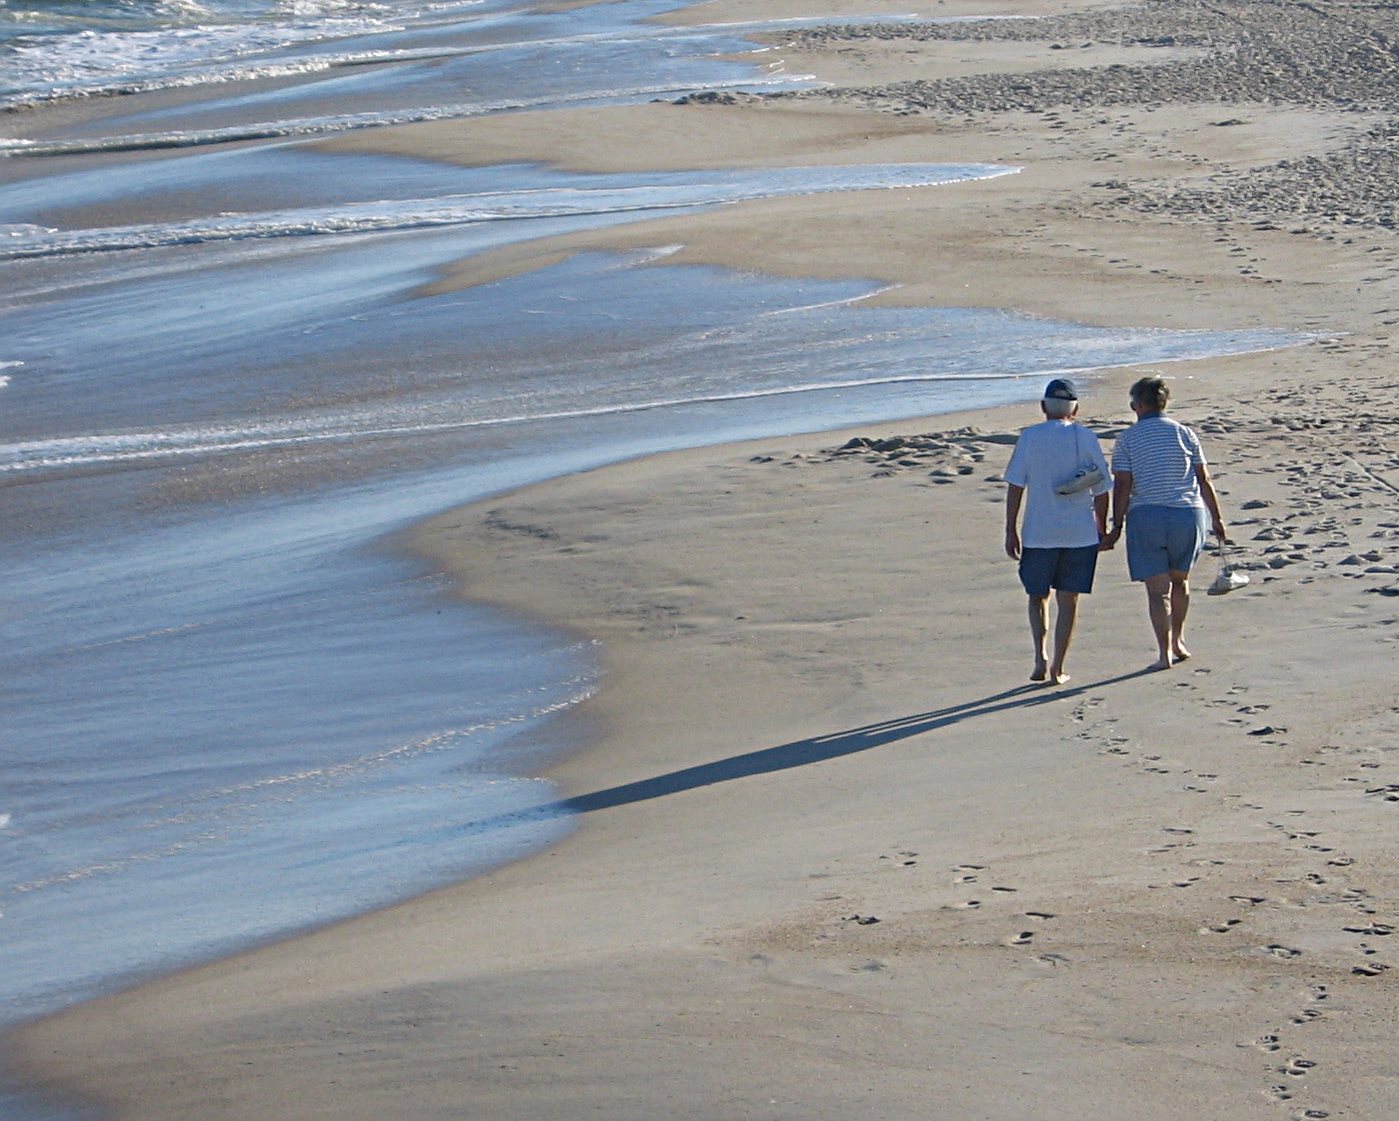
(1228, 580)
(1084, 478)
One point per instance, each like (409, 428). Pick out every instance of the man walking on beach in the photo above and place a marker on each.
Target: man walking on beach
(1058, 474)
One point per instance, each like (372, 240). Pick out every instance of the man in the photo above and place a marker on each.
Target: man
(1058, 474)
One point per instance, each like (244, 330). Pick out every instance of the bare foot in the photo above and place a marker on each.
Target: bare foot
(1180, 653)
(1160, 663)
(1060, 678)
(1040, 672)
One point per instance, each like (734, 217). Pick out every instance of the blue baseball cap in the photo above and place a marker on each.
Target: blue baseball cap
(1061, 389)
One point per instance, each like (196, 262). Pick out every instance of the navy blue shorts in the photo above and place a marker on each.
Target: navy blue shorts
(1067, 570)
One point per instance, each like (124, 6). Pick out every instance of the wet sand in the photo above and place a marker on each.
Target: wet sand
(834, 852)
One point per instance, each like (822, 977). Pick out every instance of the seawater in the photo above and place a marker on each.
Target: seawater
(234, 708)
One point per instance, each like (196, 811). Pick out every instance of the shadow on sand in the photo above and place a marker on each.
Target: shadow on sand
(800, 753)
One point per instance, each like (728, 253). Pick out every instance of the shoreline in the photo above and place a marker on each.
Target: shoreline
(1151, 922)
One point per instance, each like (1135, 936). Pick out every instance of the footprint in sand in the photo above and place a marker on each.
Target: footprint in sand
(1373, 930)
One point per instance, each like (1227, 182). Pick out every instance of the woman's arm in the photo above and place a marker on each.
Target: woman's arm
(1202, 475)
(1121, 498)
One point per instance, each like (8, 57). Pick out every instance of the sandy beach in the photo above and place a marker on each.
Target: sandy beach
(834, 852)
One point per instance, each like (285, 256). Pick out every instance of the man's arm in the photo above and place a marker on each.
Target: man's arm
(1014, 496)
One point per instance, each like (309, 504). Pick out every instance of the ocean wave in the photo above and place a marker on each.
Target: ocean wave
(30, 241)
(58, 81)
(313, 126)
(111, 450)
(93, 62)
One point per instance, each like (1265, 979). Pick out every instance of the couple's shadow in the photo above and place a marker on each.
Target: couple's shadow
(801, 753)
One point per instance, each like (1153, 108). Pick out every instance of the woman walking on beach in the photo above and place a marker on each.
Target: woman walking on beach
(1162, 492)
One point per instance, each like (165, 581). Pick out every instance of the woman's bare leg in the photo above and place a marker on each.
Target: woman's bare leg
(1158, 608)
(1180, 605)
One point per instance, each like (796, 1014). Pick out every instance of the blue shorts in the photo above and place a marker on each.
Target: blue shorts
(1068, 570)
(1163, 539)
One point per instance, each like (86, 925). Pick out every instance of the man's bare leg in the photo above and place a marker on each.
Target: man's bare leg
(1039, 630)
(1066, 616)
(1180, 604)
(1158, 608)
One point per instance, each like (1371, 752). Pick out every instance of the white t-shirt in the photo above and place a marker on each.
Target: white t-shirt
(1046, 455)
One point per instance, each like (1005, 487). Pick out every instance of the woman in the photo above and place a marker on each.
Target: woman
(1162, 492)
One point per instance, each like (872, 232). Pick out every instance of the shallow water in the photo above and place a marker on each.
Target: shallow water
(207, 682)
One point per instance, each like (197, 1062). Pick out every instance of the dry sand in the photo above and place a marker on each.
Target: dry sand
(833, 853)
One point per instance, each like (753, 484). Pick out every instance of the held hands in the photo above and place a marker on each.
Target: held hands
(1107, 538)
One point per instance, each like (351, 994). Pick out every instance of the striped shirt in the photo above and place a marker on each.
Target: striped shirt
(1162, 456)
